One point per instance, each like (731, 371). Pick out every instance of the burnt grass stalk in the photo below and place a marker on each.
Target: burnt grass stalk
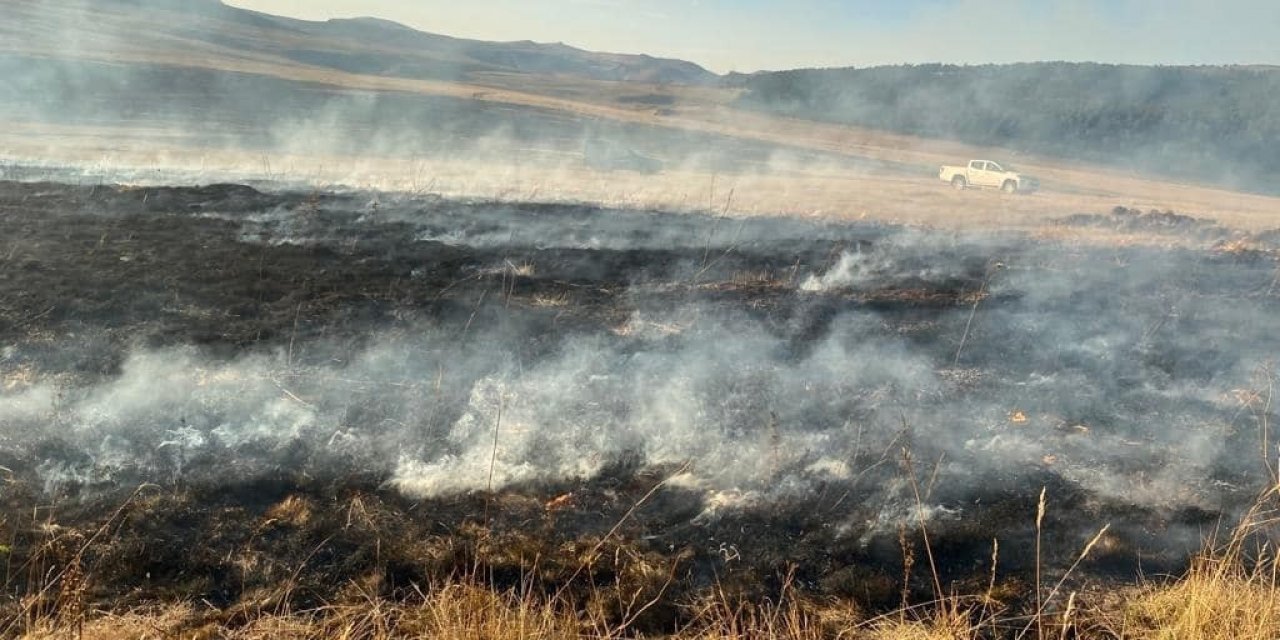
(925, 537)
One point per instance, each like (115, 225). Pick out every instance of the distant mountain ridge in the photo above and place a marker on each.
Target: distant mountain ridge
(523, 56)
(379, 47)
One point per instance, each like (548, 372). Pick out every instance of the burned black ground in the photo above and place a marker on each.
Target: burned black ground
(1072, 369)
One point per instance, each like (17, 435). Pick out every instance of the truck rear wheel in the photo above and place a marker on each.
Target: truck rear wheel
(1009, 186)
(959, 182)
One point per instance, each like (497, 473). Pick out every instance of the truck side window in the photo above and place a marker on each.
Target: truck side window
(991, 166)
(976, 165)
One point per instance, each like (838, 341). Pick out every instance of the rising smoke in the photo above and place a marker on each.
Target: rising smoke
(1125, 373)
(766, 361)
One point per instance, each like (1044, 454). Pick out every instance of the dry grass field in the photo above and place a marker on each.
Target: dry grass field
(903, 190)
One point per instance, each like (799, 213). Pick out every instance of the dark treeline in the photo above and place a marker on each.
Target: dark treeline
(1210, 124)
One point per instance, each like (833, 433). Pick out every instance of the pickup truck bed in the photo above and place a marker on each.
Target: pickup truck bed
(987, 174)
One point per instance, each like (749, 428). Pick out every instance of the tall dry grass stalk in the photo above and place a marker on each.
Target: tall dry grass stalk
(1229, 593)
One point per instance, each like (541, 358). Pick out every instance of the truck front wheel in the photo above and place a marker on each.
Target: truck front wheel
(959, 182)
(1009, 186)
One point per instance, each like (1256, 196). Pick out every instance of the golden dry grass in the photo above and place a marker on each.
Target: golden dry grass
(465, 611)
(816, 192)
(1213, 602)
(1217, 601)
(1229, 593)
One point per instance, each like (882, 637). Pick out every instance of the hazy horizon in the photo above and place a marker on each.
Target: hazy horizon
(758, 35)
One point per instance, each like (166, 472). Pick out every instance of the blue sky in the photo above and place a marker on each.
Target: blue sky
(748, 35)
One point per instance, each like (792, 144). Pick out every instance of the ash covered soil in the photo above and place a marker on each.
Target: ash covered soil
(208, 392)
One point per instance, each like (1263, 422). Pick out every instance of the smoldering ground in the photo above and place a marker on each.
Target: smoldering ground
(803, 392)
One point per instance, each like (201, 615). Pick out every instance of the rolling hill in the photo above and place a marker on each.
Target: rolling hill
(97, 28)
(1208, 124)
(101, 78)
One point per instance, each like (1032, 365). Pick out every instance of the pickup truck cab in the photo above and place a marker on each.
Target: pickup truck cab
(987, 174)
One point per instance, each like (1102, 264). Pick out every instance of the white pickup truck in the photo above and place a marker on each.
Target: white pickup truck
(985, 173)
